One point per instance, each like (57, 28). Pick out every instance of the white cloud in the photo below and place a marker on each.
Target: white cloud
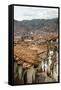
(28, 13)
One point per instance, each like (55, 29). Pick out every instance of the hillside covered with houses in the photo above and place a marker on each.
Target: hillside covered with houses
(35, 51)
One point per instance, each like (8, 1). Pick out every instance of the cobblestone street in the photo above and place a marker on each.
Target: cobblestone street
(42, 77)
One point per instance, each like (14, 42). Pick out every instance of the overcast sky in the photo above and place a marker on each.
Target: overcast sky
(28, 13)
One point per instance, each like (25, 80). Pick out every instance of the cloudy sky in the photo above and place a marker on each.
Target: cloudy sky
(28, 13)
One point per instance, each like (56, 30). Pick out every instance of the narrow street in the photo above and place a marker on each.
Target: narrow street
(42, 77)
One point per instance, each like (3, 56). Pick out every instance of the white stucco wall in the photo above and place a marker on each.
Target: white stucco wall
(15, 68)
(20, 71)
(30, 74)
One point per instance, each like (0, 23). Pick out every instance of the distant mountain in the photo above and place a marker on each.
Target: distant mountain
(36, 25)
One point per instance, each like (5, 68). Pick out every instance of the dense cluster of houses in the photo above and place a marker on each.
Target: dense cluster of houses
(29, 60)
